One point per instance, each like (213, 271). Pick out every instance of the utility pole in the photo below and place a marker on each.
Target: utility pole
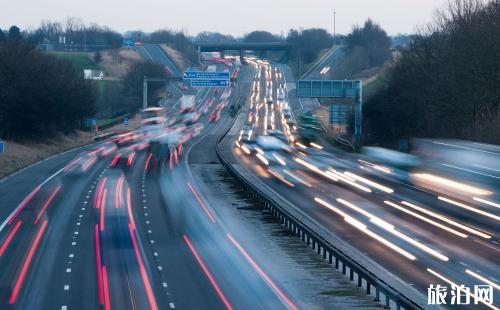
(334, 15)
(145, 93)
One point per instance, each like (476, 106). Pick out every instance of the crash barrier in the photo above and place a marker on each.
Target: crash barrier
(336, 257)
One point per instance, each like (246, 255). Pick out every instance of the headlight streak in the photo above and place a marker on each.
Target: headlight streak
(447, 220)
(360, 226)
(390, 228)
(425, 219)
(453, 284)
(472, 209)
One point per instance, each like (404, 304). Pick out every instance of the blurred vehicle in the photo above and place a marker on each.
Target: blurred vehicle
(214, 117)
(105, 149)
(246, 132)
(81, 164)
(191, 118)
(391, 157)
(269, 100)
(124, 158)
(308, 129)
(281, 96)
(153, 112)
(125, 139)
(187, 103)
(277, 134)
(196, 129)
(166, 149)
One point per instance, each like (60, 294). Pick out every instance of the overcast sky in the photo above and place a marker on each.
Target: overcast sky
(235, 17)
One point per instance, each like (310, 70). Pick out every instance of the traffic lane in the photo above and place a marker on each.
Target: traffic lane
(472, 259)
(327, 65)
(155, 53)
(61, 214)
(16, 187)
(425, 232)
(238, 281)
(177, 278)
(427, 198)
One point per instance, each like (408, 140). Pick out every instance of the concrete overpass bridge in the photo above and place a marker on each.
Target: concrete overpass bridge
(241, 47)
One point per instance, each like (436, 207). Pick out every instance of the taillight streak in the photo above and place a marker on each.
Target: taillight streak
(207, 273)
(23, 204)
(200, 201)
(9, 237)
(26, 263)
(264, 276)
(47, 204)
(144, 275)
(146, 167)
(102, 206)
(100, 189)
(100, 287)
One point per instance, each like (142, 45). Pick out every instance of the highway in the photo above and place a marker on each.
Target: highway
(418, 235)
(106, 227)
(112, 226)
(326, 63)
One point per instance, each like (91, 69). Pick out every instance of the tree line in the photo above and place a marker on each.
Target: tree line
(40, 95)
(75, 32)
(367, 47)
(446, 83)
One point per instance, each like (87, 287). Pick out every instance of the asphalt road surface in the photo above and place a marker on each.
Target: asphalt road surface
(417, 235)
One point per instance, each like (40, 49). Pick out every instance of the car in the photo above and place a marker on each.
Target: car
(269, 100)
(278, 134)
(281, 96)
(214, 117)
(191, 118)
(124, 158)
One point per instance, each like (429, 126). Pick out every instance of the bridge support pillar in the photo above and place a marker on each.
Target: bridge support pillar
(242, 56)
(222, 54)
(358, 111)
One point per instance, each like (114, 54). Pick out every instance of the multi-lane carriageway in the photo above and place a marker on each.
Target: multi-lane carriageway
(93, 232)
(142, 235)
(417, 237)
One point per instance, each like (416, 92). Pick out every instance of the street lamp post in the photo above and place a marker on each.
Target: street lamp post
(334, 15)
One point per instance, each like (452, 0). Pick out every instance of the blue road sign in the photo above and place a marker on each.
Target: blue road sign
(125, 121)
(210, 83)
(129, 42)
(2, 147)
(93, 122)
(205, 75)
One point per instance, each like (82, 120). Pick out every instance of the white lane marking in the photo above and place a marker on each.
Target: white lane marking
(471, 171)
(488, 168)
(466, 148)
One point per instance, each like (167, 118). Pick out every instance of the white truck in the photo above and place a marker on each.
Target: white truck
(187, 104)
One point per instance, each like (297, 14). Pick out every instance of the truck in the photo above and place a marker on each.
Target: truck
(187, 104)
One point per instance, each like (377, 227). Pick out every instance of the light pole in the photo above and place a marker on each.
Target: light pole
(334, 15)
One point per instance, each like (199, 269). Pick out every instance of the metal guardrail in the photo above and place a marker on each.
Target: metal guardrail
(316, 242)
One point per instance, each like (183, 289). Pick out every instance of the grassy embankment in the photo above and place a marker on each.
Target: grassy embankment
(20, 154)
